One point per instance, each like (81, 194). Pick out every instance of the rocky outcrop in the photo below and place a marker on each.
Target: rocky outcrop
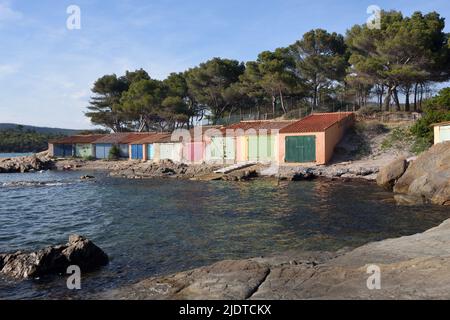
(341, 171)
(413, 267)
(53, 260)
(33, 163)
(389, 175)
(428, 177)
(163, 169)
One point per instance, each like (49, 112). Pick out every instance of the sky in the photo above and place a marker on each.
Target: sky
(47, 70)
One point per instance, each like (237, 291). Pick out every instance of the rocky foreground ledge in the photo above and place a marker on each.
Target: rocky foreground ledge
(37, 162)
(53, 260)
(413, 267)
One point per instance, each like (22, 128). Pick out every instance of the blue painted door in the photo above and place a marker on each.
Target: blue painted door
(63, 150)
(150, 152)
(124, 152)
(102, 151)
(137, 151)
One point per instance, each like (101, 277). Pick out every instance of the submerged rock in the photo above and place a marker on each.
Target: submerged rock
(307, 174)
(53, 260)
(87, 177)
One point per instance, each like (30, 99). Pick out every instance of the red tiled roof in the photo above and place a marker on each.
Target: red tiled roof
(81, 139)
(317, 122)
(205, 131)
(122, 138)
(153, 138)
(252, 127)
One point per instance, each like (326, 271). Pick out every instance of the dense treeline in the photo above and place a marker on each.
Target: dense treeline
(320, 72)
(436, 110)
(24, 141)
(28, 139)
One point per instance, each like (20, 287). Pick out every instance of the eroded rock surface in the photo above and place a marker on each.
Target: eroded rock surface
(413, 267)
(429, 176)
(389, 175)
(53, 260)
(32, 163)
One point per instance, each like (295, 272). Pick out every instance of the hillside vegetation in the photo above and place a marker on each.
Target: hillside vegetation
(25, 139)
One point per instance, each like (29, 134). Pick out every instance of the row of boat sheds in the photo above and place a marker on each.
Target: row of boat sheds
(309, 140)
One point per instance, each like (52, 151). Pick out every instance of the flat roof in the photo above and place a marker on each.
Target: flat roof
(446, 123)
(317, 122)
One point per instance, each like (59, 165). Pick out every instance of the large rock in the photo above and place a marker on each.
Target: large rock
(388, 176)
(53, 260)
(429, 176)
(35, 162)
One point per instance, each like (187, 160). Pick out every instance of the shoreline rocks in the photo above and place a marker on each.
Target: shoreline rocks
(428, 177)
(54, 260)
(37, 162)
(389, 175)
(412, 267)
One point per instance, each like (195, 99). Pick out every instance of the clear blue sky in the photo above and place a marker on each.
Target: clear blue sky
(46, 70)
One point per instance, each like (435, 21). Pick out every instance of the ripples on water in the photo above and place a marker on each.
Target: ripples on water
(157, 227)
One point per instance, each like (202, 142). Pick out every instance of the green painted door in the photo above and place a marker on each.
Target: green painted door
(229, 151)
(83, 150)
(216, 148)
(266, 146)
(300, 149)
(253, 148)
(261, 148)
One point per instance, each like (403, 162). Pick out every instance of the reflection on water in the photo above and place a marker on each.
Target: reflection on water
(162, 226)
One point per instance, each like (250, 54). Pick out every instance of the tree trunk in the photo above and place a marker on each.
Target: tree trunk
(396, 100)
(421, 96)
(407, 105)
(416, 87)
(315, 97)
(387, 100)
(274, 101)
(380, 97)
(282, 102)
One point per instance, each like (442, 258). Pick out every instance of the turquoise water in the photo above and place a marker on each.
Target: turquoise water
(156, 227)
(13, 155)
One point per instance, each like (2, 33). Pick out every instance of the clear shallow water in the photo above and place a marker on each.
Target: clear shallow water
(156, 227)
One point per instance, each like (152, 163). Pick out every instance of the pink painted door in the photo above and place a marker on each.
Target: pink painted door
(195, 151)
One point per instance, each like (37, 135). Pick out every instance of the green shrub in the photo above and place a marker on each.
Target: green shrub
(398, 138)
(423, 130)
(114, 153)
(88, 158)
(420, 145)
(437, 109)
